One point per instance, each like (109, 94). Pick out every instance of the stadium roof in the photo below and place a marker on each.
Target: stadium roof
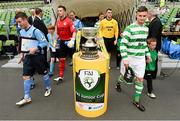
(87, 8)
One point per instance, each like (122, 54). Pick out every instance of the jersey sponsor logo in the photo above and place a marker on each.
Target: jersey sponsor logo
(109, 28)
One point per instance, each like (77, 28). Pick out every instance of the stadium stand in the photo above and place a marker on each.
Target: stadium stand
(8, 33)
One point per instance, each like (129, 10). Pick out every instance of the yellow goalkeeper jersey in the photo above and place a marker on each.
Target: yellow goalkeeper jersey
(108, 28)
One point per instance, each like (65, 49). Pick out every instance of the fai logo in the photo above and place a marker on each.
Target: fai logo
(89, 78)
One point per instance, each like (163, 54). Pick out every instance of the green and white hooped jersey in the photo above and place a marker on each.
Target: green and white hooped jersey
(134, 42)
(97, 24)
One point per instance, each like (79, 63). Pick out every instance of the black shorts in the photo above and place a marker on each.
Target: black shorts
(33, 63)
(64, 50)
(54, 54)
(148, 75)
(109, 43)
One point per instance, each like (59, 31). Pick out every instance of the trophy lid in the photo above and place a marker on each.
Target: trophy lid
(89, 32)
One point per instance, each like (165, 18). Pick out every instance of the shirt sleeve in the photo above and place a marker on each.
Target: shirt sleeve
(100, 29)
(58, 32)
(50, 41)
(72, 27)
(41, 38)
(124, 43)
(116, 30)
(80, 24)
(95, 25)
(147, 53)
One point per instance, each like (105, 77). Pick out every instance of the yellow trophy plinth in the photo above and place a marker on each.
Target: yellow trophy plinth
(90, 75)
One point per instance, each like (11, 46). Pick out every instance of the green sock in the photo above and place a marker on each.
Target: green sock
(138, 91)
(120, 79)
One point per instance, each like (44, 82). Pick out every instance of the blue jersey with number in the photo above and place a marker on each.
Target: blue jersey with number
(34, 33)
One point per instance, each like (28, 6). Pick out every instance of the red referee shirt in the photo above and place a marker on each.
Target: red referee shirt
(65, 28)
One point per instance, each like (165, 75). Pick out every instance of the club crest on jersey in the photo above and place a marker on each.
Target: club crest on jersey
(30, 35)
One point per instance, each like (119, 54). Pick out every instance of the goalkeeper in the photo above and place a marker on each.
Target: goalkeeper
(66, 32)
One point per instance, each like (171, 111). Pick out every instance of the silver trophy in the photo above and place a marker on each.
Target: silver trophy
(89, 49)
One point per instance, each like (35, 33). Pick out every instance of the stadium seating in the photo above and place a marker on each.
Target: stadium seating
(21, 4)
(8, 33)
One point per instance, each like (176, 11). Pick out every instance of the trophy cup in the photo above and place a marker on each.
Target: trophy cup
(89, 49)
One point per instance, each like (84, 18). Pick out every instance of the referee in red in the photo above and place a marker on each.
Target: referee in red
(66, 32)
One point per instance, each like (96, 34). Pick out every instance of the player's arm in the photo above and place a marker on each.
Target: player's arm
(116, 32)
(50, 42)
(21, 58)
(147, 54)
(123, 46)
(42, 42)
(73, 30)
(80, 24)
(101, 29)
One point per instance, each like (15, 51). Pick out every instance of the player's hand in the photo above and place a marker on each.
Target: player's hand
(21, 59)
(98, 38)
(33, 50)
(126, 66)
(126, 63)
(121, 35)
(148, 60)
(70, 44)
(115, 42)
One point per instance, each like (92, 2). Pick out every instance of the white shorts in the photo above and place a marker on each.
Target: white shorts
(138, 64)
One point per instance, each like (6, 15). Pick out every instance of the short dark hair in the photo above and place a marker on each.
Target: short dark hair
(51, 27)
(63, 7)
(149, 40)
(72, 12)
(109, 9)
(142, 9)
(38, 11)
(101, 13)
(21, 15)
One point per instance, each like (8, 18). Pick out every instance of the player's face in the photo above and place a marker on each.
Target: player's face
(61, 12)
(152, 45)
(72, 15)
(41, 14)
(22, 22)
(101, 17)
(109, 14)
(50, 31)
(141, 17)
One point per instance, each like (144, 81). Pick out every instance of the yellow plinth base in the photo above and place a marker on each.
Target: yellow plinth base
(91, 84)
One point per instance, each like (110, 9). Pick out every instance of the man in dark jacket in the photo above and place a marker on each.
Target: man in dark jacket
(31, 18)
(39, 24)
(155, 28)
